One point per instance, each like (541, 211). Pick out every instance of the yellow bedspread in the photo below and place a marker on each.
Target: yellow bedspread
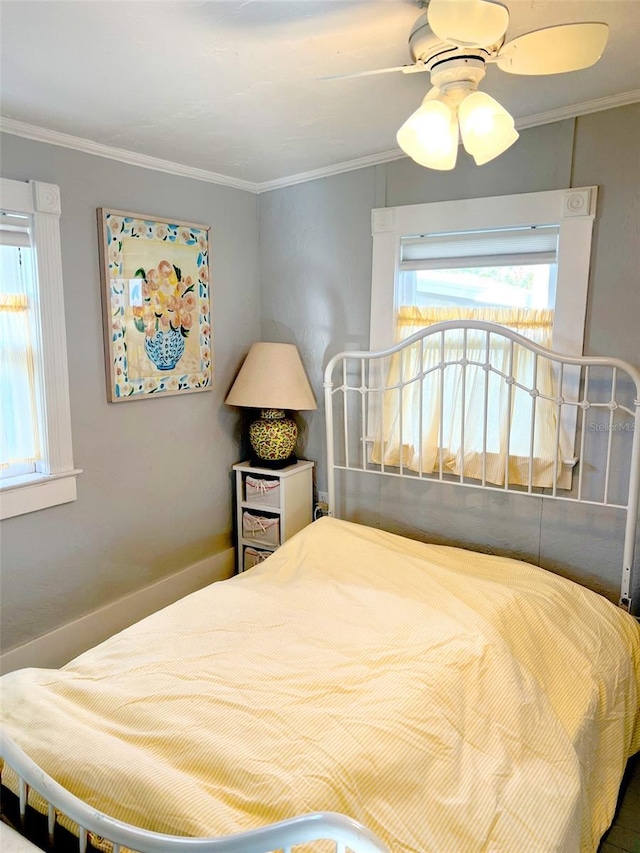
(450, 701)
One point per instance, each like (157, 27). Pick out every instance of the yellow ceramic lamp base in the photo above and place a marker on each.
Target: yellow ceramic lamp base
(273, 438)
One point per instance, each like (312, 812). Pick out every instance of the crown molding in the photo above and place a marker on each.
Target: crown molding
(581, 109)
(144, 161)
(336, 169)
(132, 158)
(571, 111)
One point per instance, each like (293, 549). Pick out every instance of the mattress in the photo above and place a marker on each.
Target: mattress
(448, 700)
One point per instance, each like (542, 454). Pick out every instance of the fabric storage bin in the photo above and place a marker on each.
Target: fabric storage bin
(261, 528)
(253, 556)
(260, 490)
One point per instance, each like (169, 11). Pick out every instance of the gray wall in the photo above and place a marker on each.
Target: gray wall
(607, 153)
(315, 261)
(155, 493)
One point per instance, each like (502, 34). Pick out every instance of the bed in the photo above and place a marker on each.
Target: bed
(358, 690)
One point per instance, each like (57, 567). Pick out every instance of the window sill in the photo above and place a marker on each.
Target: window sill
(564, 482)
(33, 492)
(570, 462)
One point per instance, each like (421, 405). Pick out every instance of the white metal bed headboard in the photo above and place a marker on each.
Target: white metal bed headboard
(607, 387)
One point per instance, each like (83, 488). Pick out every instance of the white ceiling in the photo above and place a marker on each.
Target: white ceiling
(231, 86)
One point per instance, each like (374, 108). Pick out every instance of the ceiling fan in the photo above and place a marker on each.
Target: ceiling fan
(454, 40)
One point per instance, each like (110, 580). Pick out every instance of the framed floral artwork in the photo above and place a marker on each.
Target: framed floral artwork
(156, 305)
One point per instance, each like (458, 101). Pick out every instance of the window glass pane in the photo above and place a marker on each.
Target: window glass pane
(521, 286)
(19, 433)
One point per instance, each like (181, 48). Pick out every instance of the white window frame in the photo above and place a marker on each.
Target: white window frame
(572, 210)
(54, 481)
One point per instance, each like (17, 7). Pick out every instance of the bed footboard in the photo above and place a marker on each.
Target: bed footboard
(345, 833)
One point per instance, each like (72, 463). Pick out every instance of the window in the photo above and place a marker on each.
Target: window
(507, 268)
(503, 260)
(36, 466)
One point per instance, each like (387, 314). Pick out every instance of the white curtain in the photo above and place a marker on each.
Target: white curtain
(19, 434)
(426, 451)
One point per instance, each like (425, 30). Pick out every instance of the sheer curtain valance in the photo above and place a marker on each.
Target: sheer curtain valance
(457, 441)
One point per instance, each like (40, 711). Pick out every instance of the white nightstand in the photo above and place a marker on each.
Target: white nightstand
(271, 506)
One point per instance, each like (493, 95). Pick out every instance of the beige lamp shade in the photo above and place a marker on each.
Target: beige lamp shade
(272, 377)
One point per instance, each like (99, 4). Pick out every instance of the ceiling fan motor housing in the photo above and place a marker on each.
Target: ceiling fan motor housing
(425, 48)
(457, 77)
(423, 43)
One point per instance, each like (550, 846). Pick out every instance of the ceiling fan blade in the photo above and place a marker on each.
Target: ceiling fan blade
(417, 68)
(468, 23)
(554, 50)
(406, 69)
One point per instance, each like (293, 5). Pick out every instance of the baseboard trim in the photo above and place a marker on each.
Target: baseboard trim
(66, 642)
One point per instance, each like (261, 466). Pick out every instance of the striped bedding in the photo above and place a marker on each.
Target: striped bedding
(450, 701)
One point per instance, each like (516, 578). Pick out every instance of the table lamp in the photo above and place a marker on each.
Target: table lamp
(272, 379)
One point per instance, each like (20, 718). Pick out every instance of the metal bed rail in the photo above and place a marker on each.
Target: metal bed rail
(362, 375)
(345, 833)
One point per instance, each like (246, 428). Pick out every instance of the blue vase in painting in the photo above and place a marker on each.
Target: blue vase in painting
(165, 348)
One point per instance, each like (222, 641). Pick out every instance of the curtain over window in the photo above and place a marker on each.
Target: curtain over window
(463, 440)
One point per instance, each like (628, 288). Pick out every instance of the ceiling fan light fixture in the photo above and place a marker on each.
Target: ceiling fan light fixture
(430, 135)
(486, 128)
(454, 40)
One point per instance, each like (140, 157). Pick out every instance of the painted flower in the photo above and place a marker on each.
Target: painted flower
(161, 299)
(186, 320)
(185, 234)
(138, 228)
(202, 242)
(189, 302)
(172, 384)
(162, 232)
(169, 301)
(174, 303)
(149, 385)
(203, 274)
(165, 269)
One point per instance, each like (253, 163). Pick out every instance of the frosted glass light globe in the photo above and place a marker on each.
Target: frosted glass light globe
(430, 135)
(486, 127)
